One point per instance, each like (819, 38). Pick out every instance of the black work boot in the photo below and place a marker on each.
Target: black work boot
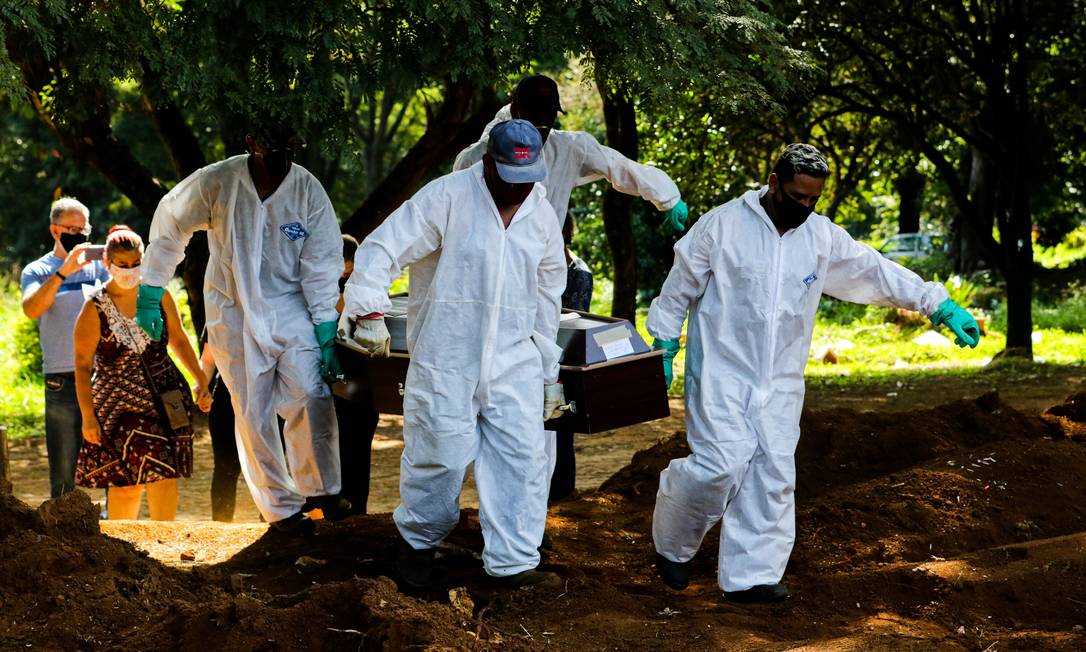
(295, 525)
(759, 593)
(675, 574)
(414, 567)
(530, 577)
(333, 507)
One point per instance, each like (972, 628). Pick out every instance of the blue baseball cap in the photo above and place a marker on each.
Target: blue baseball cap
(517, 150)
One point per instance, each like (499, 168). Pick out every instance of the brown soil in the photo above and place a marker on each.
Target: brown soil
(957, 527)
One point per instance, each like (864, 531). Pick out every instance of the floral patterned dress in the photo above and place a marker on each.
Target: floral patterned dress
(137, 446)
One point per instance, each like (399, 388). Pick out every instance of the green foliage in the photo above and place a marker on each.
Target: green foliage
(961, 290)
(1067, 314)
(1069, 250)
(834, 311)
(22, 393)
(27, 341)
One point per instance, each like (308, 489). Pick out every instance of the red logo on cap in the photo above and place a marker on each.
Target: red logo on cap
(522, 152)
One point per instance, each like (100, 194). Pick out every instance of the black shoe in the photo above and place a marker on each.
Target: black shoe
(333, 508)
(759, 593)
(545, 543)
(674, 573)
(414, 567)
(297, 525)
(530, 577)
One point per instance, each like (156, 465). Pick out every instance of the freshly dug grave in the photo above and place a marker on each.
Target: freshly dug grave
(956, 527)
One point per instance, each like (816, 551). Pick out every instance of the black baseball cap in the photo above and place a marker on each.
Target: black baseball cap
(538, 92)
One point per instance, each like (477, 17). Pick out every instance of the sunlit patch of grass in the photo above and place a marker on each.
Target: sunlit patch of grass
(22, 392)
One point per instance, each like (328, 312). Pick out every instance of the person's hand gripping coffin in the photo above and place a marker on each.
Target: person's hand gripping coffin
(368, 333)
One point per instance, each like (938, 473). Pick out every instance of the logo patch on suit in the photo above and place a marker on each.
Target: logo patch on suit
(811, 278)
(294, 231)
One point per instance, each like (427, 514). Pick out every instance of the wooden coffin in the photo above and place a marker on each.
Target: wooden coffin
(610, 376)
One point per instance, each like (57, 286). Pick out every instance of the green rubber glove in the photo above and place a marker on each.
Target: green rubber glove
(676, 217)
(959, 320)
(149, 310)
(326, 339)
(670, 349)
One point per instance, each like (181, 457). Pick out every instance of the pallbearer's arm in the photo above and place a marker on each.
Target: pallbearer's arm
(685, 282)
(320, 266)
(625, 175)
(182, 212)
(859, 274)
(551, 283)
(411, 233)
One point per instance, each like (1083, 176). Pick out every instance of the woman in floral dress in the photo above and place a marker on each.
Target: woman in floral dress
(120, 374)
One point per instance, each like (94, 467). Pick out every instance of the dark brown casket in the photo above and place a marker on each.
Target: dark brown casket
(610, 376)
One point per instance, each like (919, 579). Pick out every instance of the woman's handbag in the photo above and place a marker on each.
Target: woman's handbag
(170, 403)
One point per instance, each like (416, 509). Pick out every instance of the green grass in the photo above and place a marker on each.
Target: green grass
(883, 350)
(22, 393)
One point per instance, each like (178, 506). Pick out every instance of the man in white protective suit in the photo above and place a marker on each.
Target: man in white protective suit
(270, 292)
(575, 158)
(487, 275)
(751, 273)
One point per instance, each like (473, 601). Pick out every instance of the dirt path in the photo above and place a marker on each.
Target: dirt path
(598, 456)
(1030, 389)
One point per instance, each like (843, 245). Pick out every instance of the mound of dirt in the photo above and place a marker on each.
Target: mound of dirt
(64, 586)
(1070, 416)
(957, 527)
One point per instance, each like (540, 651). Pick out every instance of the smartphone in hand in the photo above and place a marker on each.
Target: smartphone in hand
(94, 252)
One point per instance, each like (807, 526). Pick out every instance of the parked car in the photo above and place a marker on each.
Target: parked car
(913, 246)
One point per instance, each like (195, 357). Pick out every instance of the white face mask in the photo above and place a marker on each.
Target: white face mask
(126, 277)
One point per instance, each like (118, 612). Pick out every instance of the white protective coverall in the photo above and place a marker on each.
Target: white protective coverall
(752, 296)
(273, 273)
(482, 321)
(575, 158)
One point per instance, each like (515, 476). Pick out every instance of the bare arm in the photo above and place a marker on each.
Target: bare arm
(179, 341)
(86, 344)
(38, 299)
(207, 363)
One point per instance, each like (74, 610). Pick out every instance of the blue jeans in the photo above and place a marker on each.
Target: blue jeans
(63, 431)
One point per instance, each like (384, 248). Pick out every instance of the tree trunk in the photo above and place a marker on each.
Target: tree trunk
(620, 117)
(971, 230)
(458, 122)
(909, 185)
(187, 157)
(1017, 232)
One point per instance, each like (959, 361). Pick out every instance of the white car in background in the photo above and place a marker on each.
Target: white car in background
(914, 246)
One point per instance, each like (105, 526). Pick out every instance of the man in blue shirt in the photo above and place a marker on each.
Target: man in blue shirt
(54, 289)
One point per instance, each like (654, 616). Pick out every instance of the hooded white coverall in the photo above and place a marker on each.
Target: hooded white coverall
(752, 296)
(482, 321)
(273, 273)
(575, 158)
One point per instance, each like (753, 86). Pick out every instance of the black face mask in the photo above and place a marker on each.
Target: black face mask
(343, 283)
(70, 240)
(790, 213)
(278, 161)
